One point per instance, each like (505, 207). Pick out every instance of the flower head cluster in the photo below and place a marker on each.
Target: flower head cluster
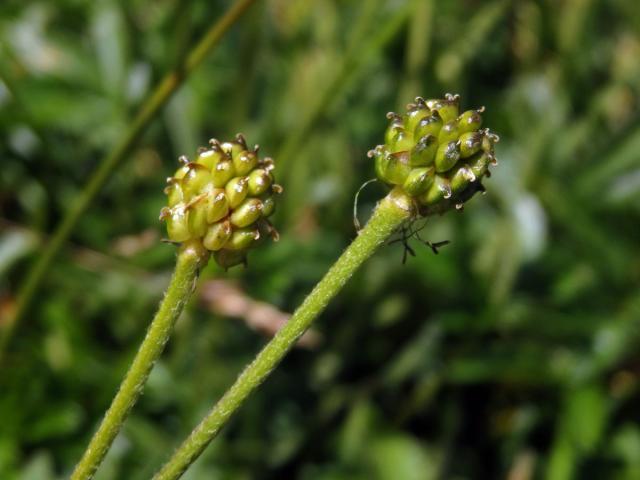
(436, 155)
(222, 199)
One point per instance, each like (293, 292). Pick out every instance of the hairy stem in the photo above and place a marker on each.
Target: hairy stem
(158, 98)
(191, 257)
(388, 215)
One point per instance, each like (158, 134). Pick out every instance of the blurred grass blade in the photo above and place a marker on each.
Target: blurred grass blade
(162, 93)
(563, 209)
(451, 63)
(418, 42)
(360, 50)
(579, 431)
(622, 158)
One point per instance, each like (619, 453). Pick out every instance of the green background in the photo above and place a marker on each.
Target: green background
(510, 355)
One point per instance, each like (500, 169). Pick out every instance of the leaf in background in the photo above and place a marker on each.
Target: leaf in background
(14, 245)
(398, 456)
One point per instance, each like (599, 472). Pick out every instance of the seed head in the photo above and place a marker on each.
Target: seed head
(223, 198)
(435, 154)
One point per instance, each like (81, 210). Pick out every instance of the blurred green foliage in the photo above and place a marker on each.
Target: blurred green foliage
(512, 354)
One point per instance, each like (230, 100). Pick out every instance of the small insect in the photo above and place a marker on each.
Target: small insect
(409, 231)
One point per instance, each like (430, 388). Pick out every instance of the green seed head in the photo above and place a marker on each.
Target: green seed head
(435, 154)
(222, 199)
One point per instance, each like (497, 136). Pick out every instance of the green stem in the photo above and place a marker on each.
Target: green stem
(388, 215)
(191, 257)
(159, 97)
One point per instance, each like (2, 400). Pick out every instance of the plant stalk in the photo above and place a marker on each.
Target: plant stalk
(191, 258)
(158, 98)
(390, 213)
